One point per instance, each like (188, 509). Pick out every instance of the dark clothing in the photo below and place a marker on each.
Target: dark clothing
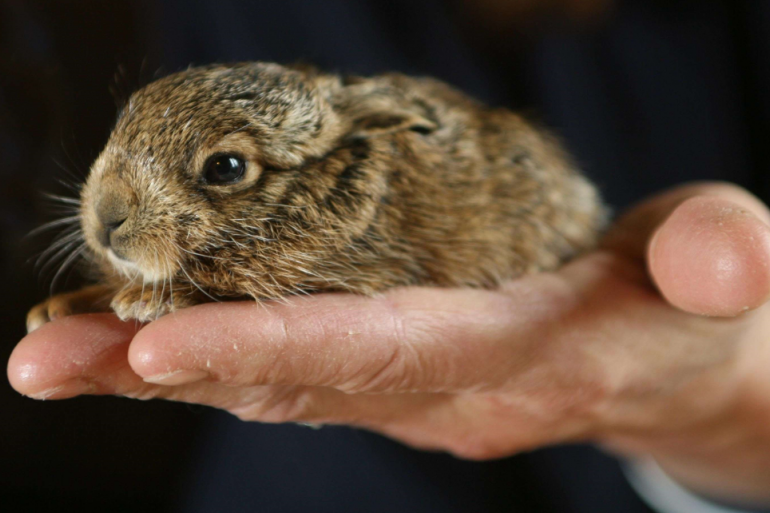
(665, 91)
(286, 469)
(662, 92)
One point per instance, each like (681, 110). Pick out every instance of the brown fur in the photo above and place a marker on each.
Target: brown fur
(352, 184)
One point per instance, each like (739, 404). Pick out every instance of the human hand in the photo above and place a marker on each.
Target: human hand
(592, 352)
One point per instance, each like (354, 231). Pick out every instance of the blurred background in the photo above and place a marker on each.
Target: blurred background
(645, 93)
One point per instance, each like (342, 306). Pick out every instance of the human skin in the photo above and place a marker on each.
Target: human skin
(655, 344)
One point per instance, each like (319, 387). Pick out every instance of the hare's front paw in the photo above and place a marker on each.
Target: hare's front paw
(145, 304)
(95, 298)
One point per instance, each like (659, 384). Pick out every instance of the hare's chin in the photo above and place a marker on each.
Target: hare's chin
(124, 267)
(130, 270)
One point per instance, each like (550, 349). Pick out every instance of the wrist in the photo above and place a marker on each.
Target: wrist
(727, 457)
(665, 495)
(720, 447)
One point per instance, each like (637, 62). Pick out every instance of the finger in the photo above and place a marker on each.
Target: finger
(435, 340)
(87, 355)
(712, 256)
(632, 232)
(56, 360)
(330, 359)
(707, 247)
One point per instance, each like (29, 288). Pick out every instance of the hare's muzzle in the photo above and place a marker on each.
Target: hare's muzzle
(114, 207)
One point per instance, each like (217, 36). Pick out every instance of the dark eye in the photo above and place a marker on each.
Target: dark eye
(222, 169)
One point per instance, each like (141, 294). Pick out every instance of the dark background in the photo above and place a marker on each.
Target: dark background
(647, 94)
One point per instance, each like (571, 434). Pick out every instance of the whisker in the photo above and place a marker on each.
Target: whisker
(129, 285)
(56, 249)
(244, 127)
(62, 199)
(78, 168)
(291, 206)
(67, 235)
(197, 286)
(53, 224)
(69, 261)
(42, 266)
(144, 283)
(170, 282)
(63, 210)
(70, 174)
(200, 255)
(163, 290)
(74, 187)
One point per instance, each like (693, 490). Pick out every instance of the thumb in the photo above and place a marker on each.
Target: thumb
(706, 246)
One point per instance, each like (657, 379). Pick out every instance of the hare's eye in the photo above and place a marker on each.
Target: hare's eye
(223, 169)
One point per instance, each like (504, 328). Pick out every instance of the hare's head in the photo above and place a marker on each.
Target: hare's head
(203, 154)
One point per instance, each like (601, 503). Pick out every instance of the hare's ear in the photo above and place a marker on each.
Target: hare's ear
(372, 124)
(374, 111)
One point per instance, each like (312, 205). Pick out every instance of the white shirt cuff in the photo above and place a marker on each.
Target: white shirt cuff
(664, 495)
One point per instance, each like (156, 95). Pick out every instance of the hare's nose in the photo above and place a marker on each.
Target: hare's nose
(112, 212)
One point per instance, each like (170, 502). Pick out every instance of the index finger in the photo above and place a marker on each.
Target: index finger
(416, 339)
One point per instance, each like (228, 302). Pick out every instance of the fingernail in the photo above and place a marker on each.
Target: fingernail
(71, 388)
(45, 394)
(180, 377)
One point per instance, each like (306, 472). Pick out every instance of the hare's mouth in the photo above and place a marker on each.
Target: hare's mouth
(123, 265)
(132, 270)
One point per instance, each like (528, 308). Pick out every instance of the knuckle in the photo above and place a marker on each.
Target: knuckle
(394, 374)
(404, 368)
